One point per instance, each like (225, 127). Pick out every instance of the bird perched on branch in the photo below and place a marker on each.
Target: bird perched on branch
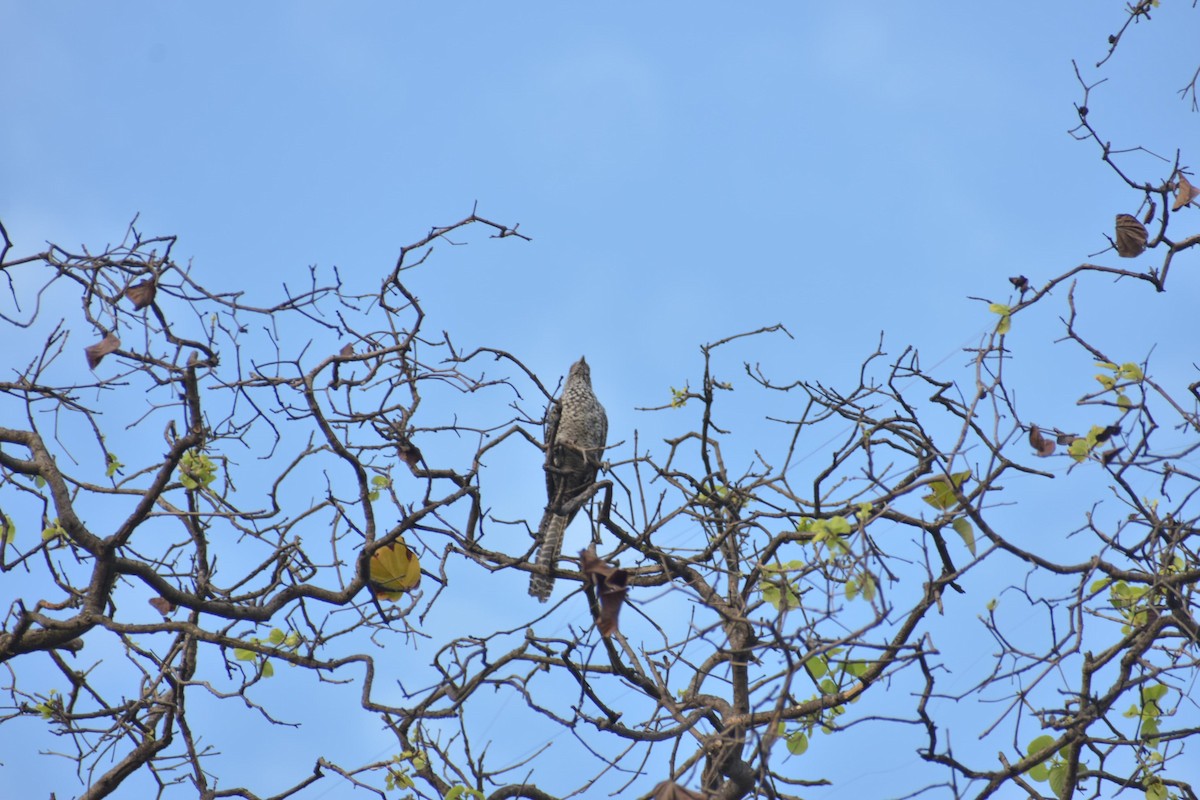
(576, 432)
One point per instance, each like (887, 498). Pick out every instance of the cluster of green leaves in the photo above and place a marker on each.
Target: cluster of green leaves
(51, 706)
(679, 397)
(53, 531)
(196, 470)
(1122, 376)
(379, 483)
(823, 669)
(944, 497)
(1005, 312)
(1052, 770)
(278, 639)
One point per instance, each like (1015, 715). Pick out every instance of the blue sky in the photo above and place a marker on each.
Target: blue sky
(685, 172)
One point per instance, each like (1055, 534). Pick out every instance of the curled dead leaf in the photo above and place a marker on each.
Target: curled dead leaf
(611, 585)
(1131, 236)
(669, 790)
(1066, 438)
(1040, 444)
(141, 294)
(1106, 434)
(1184, 192)
(1019, 282)
(100, 349)
(409, 453)
(162, 605)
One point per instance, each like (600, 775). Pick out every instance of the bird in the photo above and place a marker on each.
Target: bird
(576, 433)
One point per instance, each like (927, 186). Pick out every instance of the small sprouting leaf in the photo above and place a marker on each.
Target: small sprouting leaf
(113, 465)
(963, 528)
(1107, 381)
(991, 604)
(39, 481)
(678, 397)
(394, 570)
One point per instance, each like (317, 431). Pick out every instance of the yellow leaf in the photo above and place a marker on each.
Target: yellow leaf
(394, 570)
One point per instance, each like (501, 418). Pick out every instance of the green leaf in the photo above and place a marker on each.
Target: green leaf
(39, 481)
(1156, 791)
(1153, 693)
(1124, 402)
(1039, 773)
(817, 667)
(1039, 744)
(991, 604)
(797, 743)
(1058, 780)
(8, 531)
(113, 466)
(941, 492)
(1078, 449)
(1131, 372)
(267, 670)
(244, 655)
(1107, 381)
(851, 590)
(276, 636)
(867, 586)
(964, 529)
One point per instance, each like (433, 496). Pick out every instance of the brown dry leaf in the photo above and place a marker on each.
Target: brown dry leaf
(409, 453)
(1184, 192)
(1066, 438)
(1106, 434)
(1041, 445)
(1131, 236)
(1148, 217)
(100, 349)
(142, 294)
(669, 790)
(163, 605)
(612, 584)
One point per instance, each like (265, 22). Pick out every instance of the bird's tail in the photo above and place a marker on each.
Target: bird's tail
(550, 532)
